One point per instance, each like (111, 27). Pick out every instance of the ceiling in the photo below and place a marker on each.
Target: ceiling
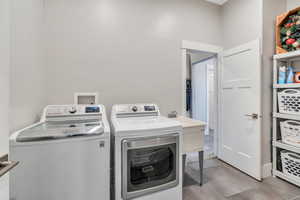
(219, 2)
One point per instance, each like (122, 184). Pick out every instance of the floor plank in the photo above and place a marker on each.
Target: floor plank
(257, 194)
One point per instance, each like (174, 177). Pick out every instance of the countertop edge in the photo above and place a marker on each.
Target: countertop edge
(187, 122)
(5, 165)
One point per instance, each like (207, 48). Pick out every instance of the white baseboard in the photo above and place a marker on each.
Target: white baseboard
(267, 170)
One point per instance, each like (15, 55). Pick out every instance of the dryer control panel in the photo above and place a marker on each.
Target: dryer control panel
(135, 110)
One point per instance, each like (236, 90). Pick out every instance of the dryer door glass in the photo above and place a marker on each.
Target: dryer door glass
(151, 167)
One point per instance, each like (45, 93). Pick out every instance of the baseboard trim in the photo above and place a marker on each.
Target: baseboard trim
(267, 170)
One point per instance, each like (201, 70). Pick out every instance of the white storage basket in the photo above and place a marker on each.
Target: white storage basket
(291, 164)
(290, 132)
(289, 101)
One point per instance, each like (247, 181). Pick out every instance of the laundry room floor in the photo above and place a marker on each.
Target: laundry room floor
(223, 182)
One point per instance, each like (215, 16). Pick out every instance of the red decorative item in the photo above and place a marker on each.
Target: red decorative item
(290, 41)
(289, 25)
(297, 77)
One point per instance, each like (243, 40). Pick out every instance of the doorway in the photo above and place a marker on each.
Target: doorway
(201, 95)
(238, 102)
(199, 60)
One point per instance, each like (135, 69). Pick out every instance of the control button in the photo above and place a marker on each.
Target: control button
(134, 109)
(149, 108)
(92, 109)
(72, 110)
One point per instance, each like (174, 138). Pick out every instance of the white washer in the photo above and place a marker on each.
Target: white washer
(66, 156)
(147, 150)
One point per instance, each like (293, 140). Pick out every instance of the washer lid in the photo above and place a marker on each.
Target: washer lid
(60, 130)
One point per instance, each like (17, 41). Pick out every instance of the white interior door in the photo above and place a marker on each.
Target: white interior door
(240, 119)
(199, 91)
(4, 89)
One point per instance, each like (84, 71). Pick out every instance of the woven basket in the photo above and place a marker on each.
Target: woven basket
(289, 101)
(291, 164)
(290, 132)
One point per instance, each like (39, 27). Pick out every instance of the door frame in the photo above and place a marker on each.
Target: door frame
(198, 46)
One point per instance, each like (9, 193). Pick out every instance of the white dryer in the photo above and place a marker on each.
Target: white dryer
(66, 156)
(147, 153)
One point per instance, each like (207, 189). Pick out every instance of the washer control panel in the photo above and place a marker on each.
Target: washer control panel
(69, 110)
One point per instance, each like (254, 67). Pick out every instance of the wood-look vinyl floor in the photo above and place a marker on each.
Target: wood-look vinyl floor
(223, 182)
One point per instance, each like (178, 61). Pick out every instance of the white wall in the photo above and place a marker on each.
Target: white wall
(4, 88)
(28, 91)
(271, 8)
(241, 22)
(128, 51)
(291, 4)
(4, 75)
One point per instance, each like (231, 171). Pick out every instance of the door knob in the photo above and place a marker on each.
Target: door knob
(253, 115)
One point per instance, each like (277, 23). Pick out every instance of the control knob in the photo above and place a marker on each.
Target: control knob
(72, 110)
(134, 109)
